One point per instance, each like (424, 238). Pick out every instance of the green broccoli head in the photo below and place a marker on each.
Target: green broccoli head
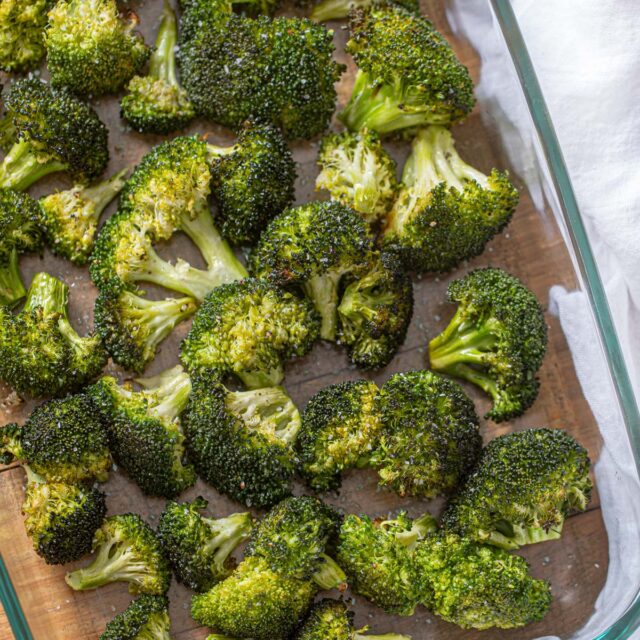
(479, 586)
(145, 435)
(379, 560)
(340, 428)
(314, 245)
(430, 437)
(327, 10)
(22, 24)
(126, 550)
(522, 489)
(90, 48)
(198, 548)
(496, 340)
(241, 441)
(52, 131)
(249, 328)
(357, 171)
(446, 210)
(146, 618)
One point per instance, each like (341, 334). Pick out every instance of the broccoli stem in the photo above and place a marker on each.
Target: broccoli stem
(228, 533)
(329, 575)
(157, 627)
(323, 292)
(163, 59)
(168, 392)
(385, 636)
(32, 476)
(262, 379)
(11, 286)
(334, 9)
(103, 193)
(421, 526)
(219, 636)
(46, 293)
(22, 167)
(7, 133)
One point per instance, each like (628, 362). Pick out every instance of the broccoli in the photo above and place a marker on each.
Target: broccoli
(522, 489)
(19, 233)
(52, 131)
(126, 550)
(249, 328)
(11, 443)
(446, 210)
(156, 103)
(70, 218)
(496, 340)
(379, 560)
(337, 9)
(408, 75)
(146, 618)
(40, 352)
(340, 428)
(314, 245)
(357, 171)
(430, 437)
(144, 431)
(375, 312)
(479, 586)
(331, 620)
(199, 549)
(90, 49)
(241, 441)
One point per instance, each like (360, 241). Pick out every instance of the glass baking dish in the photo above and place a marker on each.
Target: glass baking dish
(545, 245)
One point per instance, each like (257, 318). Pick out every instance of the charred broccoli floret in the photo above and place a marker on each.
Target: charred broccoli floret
(249, 329)
(336, 9)
(446, 210)
(51, 131)
(314, 245)
(126, 550)
(198, 548)
(522, 489)
(357, 171)
(146, 618)
(496, 340)
(90, 48)
(11, 443)
(144, 431)
(340, 429)
(408, 75)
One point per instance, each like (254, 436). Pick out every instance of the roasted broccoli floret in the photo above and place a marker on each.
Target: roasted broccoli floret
(51, 131)
(430, 437)
(379, 560)
(479, 586)
(40, 352)
(198, 548)
(340, 429)
(126, 550)
(336, 9)
(249, 329)
(446, 210)
(19, 233)
(496, 340)
(11, 443)
(22, 24)
(90, 48)
(408, 75)
(522, 489)
(70, 218)
(375, 312)
(144, 431)
(146, 618)
(314, 245)
(241, 441)
(357, 171)
(156, 103)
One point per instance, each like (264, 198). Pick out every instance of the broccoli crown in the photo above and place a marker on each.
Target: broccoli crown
(521, 490)
(22, 24)
(241, 441)
(375, 311)
(61, 519)
(446, 210)
(252, 184)
(408, 75)
(144, 431)
(65, 441)
(340, 428)
(249, 328)
(199, 549)
(357, 171)
(480, 586)
(313, 245)
(496, 340)
(90, 49)
(146, 618)
(126, 550)
(378, 558)
(254, 602)
(430, 437)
